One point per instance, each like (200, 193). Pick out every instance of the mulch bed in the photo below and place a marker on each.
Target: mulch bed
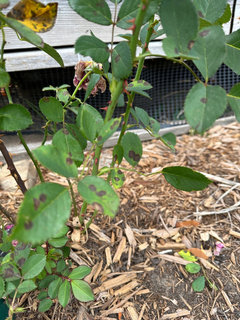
(137, 273)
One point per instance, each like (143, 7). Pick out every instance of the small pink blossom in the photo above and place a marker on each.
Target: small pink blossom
(9, 227)
(218, 249)
(14, 243)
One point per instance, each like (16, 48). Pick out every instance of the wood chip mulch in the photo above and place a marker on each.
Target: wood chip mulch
(137, 273)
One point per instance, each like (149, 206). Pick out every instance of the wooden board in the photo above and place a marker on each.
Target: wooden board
(69, 26)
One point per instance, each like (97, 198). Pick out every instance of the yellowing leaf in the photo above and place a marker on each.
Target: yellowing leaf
(186, 255)
(34, 14)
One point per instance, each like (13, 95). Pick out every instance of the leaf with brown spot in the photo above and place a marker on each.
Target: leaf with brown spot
(103, 197)
(132, 147)
(108, 130)
(35, 226)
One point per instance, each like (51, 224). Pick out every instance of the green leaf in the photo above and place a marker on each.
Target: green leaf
(66, 143)
(58, 242)
(99, 194)
(54, 287)
(234, 100)
(51, 108)
(210, 10)
(180, 22)
(210, 48)
(10, 272)
(79, 272)
(82, 291)
(170, 138)
(128, 11)
(232, 56)
(186, 255)
(204, 105)
(199, 284)
(2, 287)
(94, 78)
(89, 121)
(142, 116)
(193, 267)
(56, 160)
(117, 178)
(121, 61)
(139, 86)
(64, 293)
(185, 178)
(21, 253)
(26, 286)
(23, 31)
(4, 78)
(47, 280)
(10, 287)
(154, 126)
(226, 16)
(42, 295)
(45, 305)
(63, 231)
(61, 265)
(118, 153)
(14, 117)
(43, 212)
(132, 148)
(93, 47)
(92, 10)
(33, 266)
(73, 129)
(52, 53)
(108, 130)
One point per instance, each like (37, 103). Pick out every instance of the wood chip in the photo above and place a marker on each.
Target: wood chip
(170, 258)
(234, 234)
(178, 313)
(115, 282)
(120, 250)
(125, 289)
(171, 245)
(132, 313)
(130, 236)
(164, 234)
(101, 236)
(108, 256)
(227, 300)
(143, 246)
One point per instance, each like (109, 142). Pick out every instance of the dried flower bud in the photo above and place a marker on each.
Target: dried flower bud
(81, 68)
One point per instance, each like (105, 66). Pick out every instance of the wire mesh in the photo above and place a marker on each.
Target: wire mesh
(171, 83)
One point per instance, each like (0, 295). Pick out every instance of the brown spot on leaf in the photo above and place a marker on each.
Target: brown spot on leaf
(200, 14)
(65, 131)
(101, 193)
(28, 225)
(204, 33)
(176, 51)
(97, 206)
(136, 157)
(190, 44)
(115, 123)
(70, 154)
(21, 261)
(21, 246)
(99, 138)
(116, 179)
(130, 85)
(69, 161)
(204, 100)
(46, 99)
(42, 197)
(92, 187)
(36, 203)
(8, 272)
(117, 58)
(119, 172)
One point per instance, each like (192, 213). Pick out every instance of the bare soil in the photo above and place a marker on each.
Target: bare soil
(137, 272)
